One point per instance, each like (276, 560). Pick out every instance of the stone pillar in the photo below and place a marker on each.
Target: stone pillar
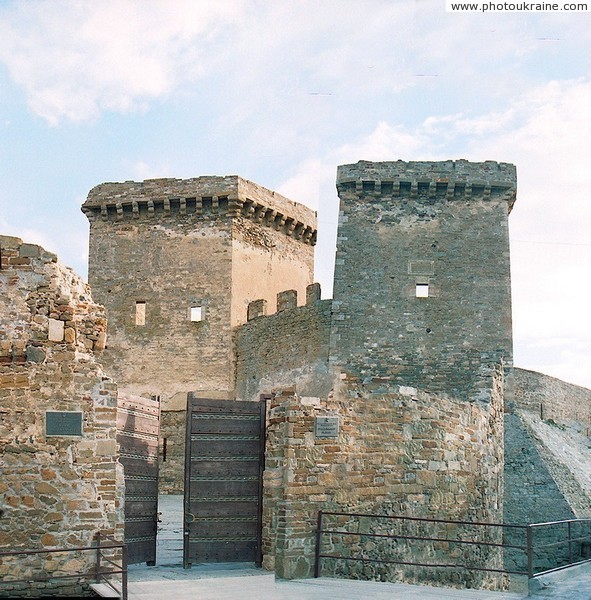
(287, 300)
(256, 308)
(313, 293)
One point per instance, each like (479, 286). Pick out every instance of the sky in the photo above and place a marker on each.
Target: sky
(281, 92)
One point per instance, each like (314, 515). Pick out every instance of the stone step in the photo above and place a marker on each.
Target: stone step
(104, 590)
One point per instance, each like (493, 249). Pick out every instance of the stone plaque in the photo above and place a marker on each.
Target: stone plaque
(421, 267)
(63, 423)
(326, 427)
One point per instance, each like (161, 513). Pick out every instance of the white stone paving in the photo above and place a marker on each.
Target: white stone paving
(169, 581)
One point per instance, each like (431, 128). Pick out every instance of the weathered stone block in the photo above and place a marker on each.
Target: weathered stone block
(29, 251)
(56, 330)
(35, 354)
(286, 300)
(313, 293)
(106, 447)
(257, 308)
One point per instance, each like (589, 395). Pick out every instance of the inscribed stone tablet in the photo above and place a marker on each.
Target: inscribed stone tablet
(326, 427)
(63, 423)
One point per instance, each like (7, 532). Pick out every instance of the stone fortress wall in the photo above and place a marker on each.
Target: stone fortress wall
(399, 451)
(412, 440)
(444, 225)
(207, 286)
(547, 472)
(541, 485)
(285, 349)
(552, 398)
(57, 491)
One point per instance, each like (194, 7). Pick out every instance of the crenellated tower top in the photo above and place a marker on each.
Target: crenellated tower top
(451, 179)
(422, 292)
(207, 197)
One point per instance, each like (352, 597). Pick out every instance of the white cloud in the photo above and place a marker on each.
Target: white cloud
(28, 235)
(76, 59)
(308, 183)
(141, 170)
(387, 142)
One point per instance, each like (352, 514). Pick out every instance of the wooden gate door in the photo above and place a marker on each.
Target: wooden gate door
(223, 481)
(138, 430)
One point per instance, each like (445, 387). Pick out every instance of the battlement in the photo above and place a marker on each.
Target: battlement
(445, 180)
(206, 197)
(286, 300)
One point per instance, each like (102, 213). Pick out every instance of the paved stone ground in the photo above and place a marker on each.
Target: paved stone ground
(570, 584)
(169, 543)
(168, 580)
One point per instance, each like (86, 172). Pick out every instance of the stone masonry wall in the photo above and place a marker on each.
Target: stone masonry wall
(531, 496)
(398, 452)
(169, 265)
(264, 263)
(212, 243)
(172, 452)
(538, 488)
(290, 346)
(160, 248)
(532, 493)
(55, 491)
(422, 281)
(551, 398)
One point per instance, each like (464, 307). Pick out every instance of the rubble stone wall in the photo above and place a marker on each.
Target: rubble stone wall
(290, 346)
(397, 452)
(172, 452)
(422, 291)
(170, 266)
(56, 491)
(551, 398)
(537, 489)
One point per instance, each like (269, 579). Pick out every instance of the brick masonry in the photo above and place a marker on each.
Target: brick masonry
(55, 491)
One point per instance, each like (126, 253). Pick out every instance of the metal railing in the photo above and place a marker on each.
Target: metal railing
(98, 573)
(536, 549)
(569, 541)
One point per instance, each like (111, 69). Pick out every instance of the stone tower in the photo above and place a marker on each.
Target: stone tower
(422, 280)
(175, 263)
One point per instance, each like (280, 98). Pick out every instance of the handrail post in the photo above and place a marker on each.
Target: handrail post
(570, 543)
(98, 558)
(318, 541)
(124, 573)
(530, 552)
